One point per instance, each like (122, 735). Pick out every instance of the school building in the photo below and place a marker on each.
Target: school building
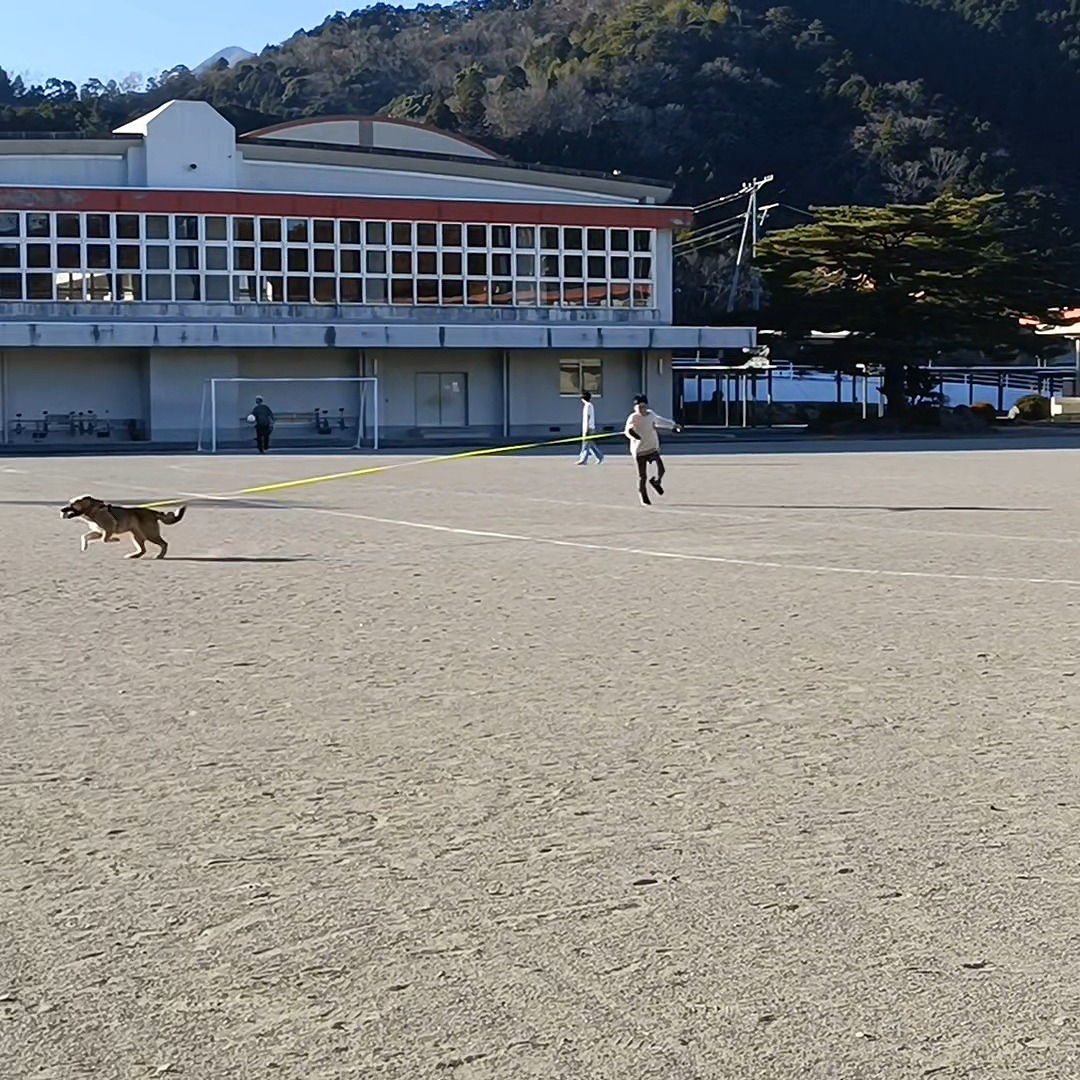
(482, 295)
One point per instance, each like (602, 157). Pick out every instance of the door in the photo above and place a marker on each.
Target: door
(441, 399)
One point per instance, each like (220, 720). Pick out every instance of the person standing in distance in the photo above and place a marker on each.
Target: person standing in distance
(588, 427)
(640, 429)
(264, 424)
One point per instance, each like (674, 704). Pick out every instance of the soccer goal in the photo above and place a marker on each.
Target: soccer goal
(337, 413)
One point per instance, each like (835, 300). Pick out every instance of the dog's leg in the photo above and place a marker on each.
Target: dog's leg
(161, 544)
(89, 537)
(140, 547)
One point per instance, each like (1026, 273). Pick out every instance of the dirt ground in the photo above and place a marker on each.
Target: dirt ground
(480, 770)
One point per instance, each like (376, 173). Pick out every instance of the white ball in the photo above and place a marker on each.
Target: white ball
(251, 418)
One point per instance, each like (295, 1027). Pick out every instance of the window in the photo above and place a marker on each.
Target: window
(188, 257)
(577, 376)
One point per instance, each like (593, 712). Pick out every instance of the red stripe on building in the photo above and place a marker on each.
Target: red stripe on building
(253, 204)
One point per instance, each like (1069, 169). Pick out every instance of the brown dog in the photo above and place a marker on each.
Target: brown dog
(108, 523)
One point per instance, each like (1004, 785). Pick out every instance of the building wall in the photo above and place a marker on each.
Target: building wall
(67, 170)
(315, 179)
(103, 381)
(397, 370)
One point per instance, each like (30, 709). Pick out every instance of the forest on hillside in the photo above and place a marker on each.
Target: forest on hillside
(844, 101)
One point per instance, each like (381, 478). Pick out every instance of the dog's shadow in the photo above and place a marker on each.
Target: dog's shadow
(239, 558)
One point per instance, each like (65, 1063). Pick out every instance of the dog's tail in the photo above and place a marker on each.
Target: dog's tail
(171, 517)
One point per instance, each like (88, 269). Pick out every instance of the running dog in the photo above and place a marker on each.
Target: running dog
(108, 523)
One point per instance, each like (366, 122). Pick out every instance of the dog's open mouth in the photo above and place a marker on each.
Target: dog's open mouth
(68, 512)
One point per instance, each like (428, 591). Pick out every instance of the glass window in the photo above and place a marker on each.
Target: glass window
(500, 236)
(643, 239)
(401, 291)
(158, 287)
(375, 290)
(244, 289)
(157, 257)
(401, 233)
(157, 227)
(427, 291)
(349, 233)
(478, 264)
(270, 230)
(68, 225)
(572, 266)
(39, 287)
(325, 290)
(598, 267)
(188, 287)
(375, 262)
(269, 258)
(9, 255)
(452, 291)
(402, 262)
(298, 290)
(427, 262)
(298, 260)
(244, 229)
(296, 231)
(426, 234)
(643, 267)
(597, 239)
(350, 260)
(243, 258)
(99, 256)
(98, 226)
(9, 224)
(127, 256)
(620, 240)
(217, 228)
(476, 236)
(500, 265)
(375, 232)
(323, 232)
(577, 376)
(128, 287)
(127, 227)
(451, 236)
(549, 238)
(187, 258)
(573, 239)
(451, 263)
(38, 255)
(38, 225)
(217, 287)
(10, 286)
(217, 258)
(352, 290)
(525, 236)
(620, 267)
(68, 256)
(324, 260)
(187, 227)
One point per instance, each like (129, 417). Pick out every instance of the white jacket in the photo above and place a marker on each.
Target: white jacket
(646, 424)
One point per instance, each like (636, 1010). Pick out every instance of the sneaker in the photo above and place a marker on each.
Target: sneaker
(656, 485)
(645, 501)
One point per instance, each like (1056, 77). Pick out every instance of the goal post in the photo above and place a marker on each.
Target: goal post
(335, 413)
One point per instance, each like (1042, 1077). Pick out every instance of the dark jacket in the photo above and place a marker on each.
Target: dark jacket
(263, 416)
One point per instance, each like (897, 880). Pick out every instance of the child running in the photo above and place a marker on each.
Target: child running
(640, 429)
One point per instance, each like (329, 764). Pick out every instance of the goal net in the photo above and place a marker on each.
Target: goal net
(339, 413)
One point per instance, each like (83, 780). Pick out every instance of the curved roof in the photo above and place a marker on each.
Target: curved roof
(375, 133)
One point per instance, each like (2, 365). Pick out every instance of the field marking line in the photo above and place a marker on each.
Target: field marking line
(676, 556)
(371, 470)
(729, 516)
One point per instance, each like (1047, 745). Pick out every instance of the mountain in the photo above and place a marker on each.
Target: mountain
(844, 101)
(232, 56)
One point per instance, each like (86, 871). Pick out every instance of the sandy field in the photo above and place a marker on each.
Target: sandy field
(478, 770)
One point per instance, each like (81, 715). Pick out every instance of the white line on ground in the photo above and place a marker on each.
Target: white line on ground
(679, 556)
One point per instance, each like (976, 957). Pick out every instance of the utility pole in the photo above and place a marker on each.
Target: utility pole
(753, 222)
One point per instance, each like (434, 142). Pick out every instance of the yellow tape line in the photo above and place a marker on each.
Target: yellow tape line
(285, 485)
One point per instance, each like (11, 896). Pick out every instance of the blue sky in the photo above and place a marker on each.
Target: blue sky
(82, 40)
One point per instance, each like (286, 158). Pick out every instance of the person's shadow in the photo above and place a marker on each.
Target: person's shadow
(240, 558)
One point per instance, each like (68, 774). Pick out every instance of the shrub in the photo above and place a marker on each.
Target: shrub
(985, 411)
(1033, 407)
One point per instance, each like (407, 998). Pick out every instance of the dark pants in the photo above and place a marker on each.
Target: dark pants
(643, 461)
(262, 437)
